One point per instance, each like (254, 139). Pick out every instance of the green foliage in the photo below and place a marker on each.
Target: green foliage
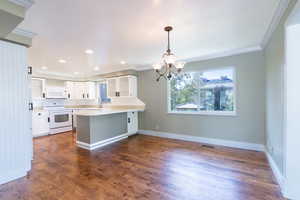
(183, 90)
(206, 95)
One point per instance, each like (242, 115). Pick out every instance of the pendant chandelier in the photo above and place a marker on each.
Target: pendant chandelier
(168, 66)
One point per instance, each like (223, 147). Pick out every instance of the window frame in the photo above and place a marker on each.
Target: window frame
(215, 113)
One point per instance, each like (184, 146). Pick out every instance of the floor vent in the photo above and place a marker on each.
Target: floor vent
(208, 146)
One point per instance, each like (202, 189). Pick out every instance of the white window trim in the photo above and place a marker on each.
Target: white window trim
(214, 113)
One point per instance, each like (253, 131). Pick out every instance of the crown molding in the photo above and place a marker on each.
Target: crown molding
(220, 54)
(279, 12)
(24, 3)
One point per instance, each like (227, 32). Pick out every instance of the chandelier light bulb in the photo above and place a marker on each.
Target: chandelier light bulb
(169, 59)
(157, 66)
(179, 65)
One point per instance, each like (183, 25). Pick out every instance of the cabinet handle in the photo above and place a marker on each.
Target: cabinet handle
(69, 96)
(82, 95)
(87, 95)
(29, 70)
(116, 94)
(129, 121)
(48, 119)
(44, 95)
(30, 106)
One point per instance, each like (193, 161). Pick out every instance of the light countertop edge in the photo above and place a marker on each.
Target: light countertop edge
(98, 112)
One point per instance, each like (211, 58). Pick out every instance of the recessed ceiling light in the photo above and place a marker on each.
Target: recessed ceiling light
(96, 68)
(44, 68)
(123, 62)
(89, 51)
(76, 73)
(62, 61)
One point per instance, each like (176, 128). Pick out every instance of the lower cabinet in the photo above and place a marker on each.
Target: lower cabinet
(132, 122)
(40, 123)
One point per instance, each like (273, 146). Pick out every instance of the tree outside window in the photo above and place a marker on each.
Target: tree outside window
(207, 91)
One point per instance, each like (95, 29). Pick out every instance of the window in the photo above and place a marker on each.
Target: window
(203, 92)
(102, 92)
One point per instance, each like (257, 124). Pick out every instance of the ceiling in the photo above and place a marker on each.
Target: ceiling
(132, 31)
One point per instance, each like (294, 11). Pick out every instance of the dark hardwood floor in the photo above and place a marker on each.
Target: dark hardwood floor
(143, 167)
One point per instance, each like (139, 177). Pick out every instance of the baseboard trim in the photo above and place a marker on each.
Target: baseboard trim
(212, 141)
(278, 175)
(101, 143)
(12, 175)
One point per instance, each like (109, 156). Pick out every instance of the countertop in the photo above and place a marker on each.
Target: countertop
(105, 111)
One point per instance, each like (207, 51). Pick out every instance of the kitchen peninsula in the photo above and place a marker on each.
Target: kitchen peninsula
(102, 126)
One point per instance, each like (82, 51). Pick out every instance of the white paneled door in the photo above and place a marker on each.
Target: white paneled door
(15, 129)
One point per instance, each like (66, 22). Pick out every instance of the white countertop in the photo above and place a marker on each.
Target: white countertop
(103, 111)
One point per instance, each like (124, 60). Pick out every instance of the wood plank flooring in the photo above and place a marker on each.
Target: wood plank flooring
(143, 167)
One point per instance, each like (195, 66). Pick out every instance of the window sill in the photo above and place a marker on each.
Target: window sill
(232, 114)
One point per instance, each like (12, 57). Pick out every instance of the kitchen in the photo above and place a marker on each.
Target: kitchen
(57, 103)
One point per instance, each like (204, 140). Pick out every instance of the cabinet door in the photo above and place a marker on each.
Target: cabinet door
(124, 86)
(91, 90)
(132, 122)
(70, 90)
(132, 86)
(38, 88)
(79, 90)
(40, 124)
(111, 87)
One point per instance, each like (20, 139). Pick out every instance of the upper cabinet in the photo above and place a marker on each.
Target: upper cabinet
(55, 89)
(123, 86)
(80, 90)
(38, 88)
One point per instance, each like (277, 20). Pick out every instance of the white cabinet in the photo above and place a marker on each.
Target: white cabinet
(132, 122)
(123, 86)
(80, 90)
(90, 90)
(38, 90)
(40, 123)
(70, 90)
(112, 87)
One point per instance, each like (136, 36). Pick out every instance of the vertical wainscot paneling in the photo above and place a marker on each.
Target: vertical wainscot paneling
(15, 133)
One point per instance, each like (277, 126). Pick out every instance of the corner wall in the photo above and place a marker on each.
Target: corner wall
(275, 64)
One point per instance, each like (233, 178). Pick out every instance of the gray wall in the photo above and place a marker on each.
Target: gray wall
(247, 126)
(274, 62)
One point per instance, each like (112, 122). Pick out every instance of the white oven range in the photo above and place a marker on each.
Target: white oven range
(60, 119)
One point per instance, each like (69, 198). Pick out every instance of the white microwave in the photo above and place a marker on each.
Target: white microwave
(56, 93)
